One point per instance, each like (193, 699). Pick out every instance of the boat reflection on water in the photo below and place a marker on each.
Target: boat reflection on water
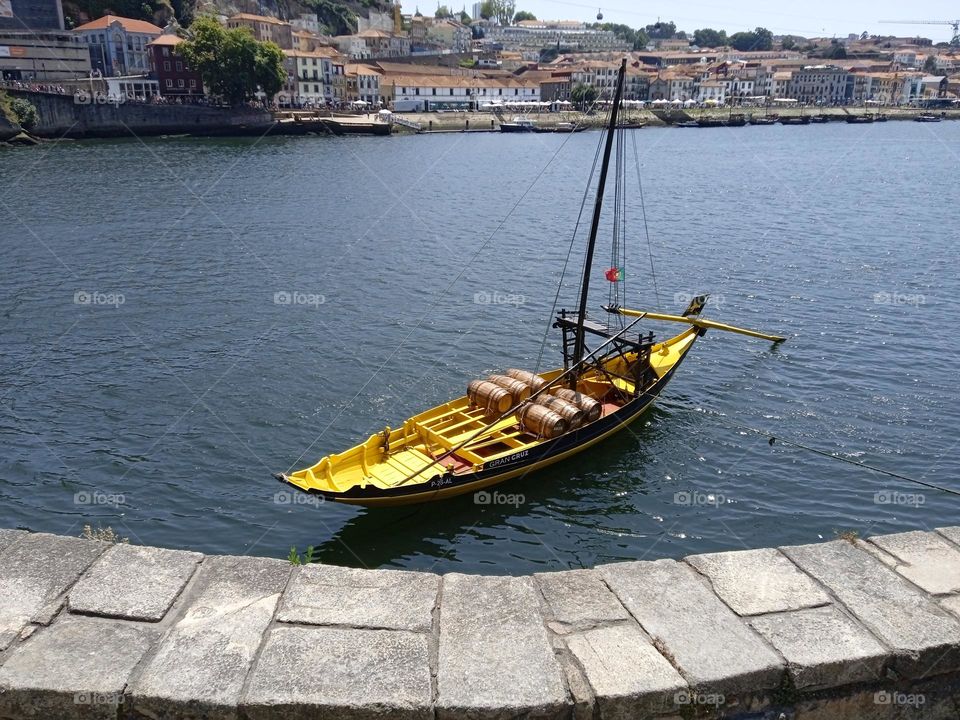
(590, 491)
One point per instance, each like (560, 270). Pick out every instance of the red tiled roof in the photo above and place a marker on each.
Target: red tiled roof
(128, 24)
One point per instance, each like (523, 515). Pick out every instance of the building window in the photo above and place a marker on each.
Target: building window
(169, 83)
(166, 52)
(166, 65)
(179, 66)
(193, 83)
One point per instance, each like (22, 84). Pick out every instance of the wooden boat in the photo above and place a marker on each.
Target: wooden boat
(764, 120)
(501, 429)
(819, 119)
(860, 119)
(518, 124)
(926, 117)
(795, 120)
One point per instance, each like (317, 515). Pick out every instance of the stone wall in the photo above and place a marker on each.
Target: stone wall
(63, 116)
(858, 630)
(7, 128)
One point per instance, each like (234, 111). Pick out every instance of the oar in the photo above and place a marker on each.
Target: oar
(695, 321)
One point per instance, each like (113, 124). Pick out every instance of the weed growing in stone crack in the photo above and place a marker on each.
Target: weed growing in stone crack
(103, 534)
(294, 556)
(851, 536)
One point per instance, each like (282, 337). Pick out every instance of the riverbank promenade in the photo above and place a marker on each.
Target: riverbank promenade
(848, 628)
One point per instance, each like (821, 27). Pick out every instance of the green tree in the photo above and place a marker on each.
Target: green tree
(637, 39)
(523, 15)
(789, 42)
(231, 62)
(464, 18)
(500, 10)
(759, 39)
(661, 30)
(583, 95)
(836, 52)
(708, 37)
(268, 71)
(25, 113)
(442, 12)
(930, 65)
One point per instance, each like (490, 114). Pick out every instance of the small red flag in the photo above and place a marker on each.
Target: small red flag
(614, 274)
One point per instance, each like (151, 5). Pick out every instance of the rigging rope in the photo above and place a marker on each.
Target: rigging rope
(573, 238)
(646, 229)
(793, 443)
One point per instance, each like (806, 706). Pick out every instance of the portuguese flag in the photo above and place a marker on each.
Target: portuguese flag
(614, 274)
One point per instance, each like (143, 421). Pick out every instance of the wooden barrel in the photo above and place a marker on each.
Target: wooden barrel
(542, 422)
(532, 379)
(518, 389)
(590, 406)
(492, 398)
(567, 410)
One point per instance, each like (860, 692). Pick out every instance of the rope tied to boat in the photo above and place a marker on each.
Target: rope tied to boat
(772, 439)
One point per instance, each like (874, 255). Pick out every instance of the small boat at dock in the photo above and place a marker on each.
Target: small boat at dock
(518, 421)
(927, 118)
(518, 124)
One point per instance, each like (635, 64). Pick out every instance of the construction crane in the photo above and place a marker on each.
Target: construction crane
(955, 24)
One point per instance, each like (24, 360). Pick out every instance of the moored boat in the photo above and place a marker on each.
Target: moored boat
(520, 421)
(518, 124)
(927, 118)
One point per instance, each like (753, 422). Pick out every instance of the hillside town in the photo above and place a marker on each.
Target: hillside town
(452, 63)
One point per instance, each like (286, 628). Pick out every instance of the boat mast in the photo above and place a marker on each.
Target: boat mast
(579, 346)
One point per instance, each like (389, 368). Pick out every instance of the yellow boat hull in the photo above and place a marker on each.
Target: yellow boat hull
(445, 451)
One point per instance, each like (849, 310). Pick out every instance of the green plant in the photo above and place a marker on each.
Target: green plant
(103, 534)
(851, 536)
(294, 556)
(25, 113)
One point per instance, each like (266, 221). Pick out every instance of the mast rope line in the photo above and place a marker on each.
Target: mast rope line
(573, 239)
(773, 439)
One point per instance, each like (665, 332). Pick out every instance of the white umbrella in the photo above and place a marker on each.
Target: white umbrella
(690, 102)
(660, 102)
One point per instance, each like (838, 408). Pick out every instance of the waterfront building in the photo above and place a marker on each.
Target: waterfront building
(174, 78)
(821, 84)
(780, 84)
(42, 56)
(455, 92)
(306, 22)
(450, 35)
(117, 46)
(131, 87)
(537, 35)
(373, 44)
(385, 21)
(264, 29)
(31, 15)
(310, 77)
(713, 91)
(672, 85)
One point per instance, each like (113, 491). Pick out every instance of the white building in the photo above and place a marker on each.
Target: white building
(447, 92)
(118, 45)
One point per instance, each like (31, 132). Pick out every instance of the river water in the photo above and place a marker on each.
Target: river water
(182, 317)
